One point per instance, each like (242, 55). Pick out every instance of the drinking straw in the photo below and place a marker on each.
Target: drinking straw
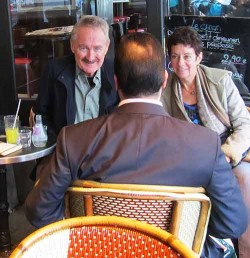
(18, 106)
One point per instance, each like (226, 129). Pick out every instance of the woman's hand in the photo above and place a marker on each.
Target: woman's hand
(228, 159)
(247, 158)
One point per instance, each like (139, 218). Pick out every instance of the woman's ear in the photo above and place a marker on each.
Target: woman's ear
(165, 80)
(199, 58)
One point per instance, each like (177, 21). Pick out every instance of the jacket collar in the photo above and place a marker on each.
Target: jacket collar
(214, 75)
(67, 75)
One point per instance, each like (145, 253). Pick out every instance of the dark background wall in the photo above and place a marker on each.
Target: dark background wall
(225, 42)
(7, 78)
(8, 95)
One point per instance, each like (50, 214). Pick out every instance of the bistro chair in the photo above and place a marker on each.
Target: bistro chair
(182, 211)
(24, 75)
(26, 80)
(32, 116)
(117, 32)
(101, 236)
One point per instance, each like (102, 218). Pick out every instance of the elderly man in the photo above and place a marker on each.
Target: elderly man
(81, 86)
(140, 143)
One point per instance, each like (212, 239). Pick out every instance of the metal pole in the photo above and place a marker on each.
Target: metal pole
(5, 240)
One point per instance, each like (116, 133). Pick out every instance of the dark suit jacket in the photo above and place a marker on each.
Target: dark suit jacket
(139, 143)
(56, 99)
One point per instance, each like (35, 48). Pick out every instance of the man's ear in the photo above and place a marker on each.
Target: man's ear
(116, 83)
(117, 88)
(72, 46)
(165, 80)
(107, 47)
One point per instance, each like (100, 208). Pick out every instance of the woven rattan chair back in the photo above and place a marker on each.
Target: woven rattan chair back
(98, 236)
(182, 211)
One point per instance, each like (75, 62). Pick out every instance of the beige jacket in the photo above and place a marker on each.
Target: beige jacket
(227, 96)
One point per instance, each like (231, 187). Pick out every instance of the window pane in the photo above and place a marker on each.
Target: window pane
(41, 31)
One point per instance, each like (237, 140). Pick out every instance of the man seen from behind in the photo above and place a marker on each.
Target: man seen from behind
(139, 143)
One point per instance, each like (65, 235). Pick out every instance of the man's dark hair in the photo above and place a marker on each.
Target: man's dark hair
(139, 65)
(186, 36)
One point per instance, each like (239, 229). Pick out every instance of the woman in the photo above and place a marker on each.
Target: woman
(208, 97)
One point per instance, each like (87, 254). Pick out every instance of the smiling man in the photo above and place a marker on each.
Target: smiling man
(79, 87)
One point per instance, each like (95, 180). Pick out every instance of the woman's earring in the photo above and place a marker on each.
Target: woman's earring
(170, 67)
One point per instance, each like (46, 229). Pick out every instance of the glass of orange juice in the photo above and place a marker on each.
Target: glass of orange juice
(11, 129)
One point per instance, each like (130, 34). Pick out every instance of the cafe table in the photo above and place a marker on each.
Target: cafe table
(55, 35)
(22, 155)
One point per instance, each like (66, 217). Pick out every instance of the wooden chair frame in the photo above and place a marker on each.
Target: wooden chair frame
(182, 197)
(115, 223)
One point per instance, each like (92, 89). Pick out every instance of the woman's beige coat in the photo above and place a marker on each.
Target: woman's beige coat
(226, 95)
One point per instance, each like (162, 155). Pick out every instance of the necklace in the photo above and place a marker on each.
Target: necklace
(192, 92)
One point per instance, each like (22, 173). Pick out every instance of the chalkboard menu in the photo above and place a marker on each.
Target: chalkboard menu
(226, 42)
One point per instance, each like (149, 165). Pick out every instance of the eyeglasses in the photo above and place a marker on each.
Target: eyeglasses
(185, 57)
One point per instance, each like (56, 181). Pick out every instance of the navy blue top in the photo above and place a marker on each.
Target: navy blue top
(193, 113)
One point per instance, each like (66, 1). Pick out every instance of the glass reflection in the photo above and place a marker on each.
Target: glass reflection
(35, 26)
(212, 8)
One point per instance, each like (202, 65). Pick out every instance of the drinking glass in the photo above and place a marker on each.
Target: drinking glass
(25, 137)
(11, 129)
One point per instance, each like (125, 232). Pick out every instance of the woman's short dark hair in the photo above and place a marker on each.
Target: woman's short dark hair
(139, 64)
(187, 36)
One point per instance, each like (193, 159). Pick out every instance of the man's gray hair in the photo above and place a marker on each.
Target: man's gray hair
(91, 21)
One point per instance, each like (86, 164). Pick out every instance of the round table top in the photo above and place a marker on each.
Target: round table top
(51, 33)
(27, 154)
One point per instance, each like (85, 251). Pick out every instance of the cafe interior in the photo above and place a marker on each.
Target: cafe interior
(36, 31)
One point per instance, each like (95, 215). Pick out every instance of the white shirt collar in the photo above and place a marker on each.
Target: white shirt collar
(141, 100)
